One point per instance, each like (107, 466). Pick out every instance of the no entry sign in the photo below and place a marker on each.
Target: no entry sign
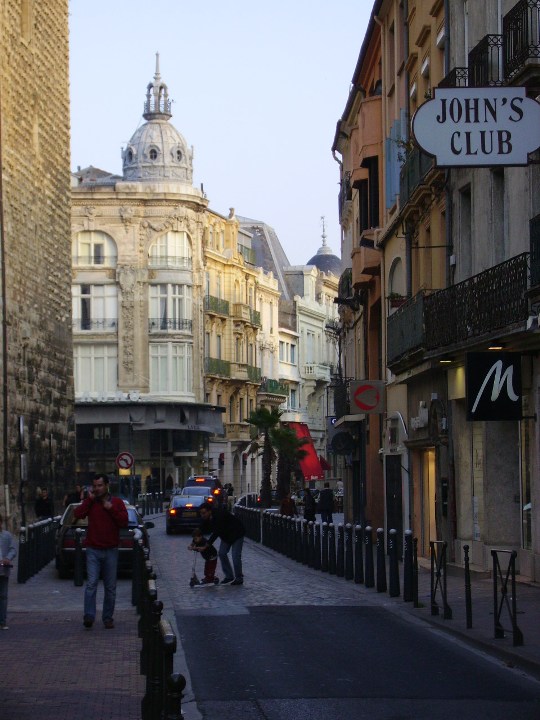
(124, 461)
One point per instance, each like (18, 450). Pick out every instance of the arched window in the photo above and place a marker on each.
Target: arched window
(95, 248)
(171, 250)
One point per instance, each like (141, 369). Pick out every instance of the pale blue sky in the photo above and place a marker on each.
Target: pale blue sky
(257, 87)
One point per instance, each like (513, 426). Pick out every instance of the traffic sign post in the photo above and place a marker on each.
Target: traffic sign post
(124, 461)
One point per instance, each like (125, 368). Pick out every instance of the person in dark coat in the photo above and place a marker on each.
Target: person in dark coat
(288, 506)
(224, 525)
(326, 504)
(309, 506)
(43, 506)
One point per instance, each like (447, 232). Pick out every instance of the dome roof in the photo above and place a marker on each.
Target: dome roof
(157, 151)
(325, 260)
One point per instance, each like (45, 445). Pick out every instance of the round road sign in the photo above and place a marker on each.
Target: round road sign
(125, 461)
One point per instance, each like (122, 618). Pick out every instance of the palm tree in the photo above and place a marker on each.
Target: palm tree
(264, 420)
(289, 450)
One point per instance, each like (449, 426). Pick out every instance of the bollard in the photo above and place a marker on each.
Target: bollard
(381, 562)
(340, 556)
(408, 567)
(358, 555)
(331, 549)
(22, 566)
(316, 546)
(369, 569)
(305, 546)
(137, 569)
(150, 704)
(349, 571)
(324, 549)
(175, 684)
(78, 572)
(416, 604)
(393, 573)
(468, 599)
(309, 539)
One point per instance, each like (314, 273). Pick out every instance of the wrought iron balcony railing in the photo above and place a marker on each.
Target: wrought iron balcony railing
(486, 62)
(216, 305)
(95, 325)
(521, 37)
(414, 169)
(254, 373)
(492, 300)
(169, 324)
(457, 77)
(274, 387)
(216, 366)
(255, 317)
(405, 329)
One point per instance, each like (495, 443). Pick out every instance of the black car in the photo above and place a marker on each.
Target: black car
(183, 512)
(65, 540)
(212, 484)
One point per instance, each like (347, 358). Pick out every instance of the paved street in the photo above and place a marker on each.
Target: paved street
(291, 642)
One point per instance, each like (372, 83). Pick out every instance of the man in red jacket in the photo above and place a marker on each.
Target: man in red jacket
(106, 515)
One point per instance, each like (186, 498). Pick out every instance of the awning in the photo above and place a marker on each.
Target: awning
(324, 463)
(310, 464)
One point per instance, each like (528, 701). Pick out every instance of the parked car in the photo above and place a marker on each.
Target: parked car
(250, 500)
(213, 484)
(65, 540)
(183, 512)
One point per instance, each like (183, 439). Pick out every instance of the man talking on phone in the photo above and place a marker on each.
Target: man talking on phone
(106, 515)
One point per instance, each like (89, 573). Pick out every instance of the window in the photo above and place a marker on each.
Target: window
(95, 369)
(207, 344)
(170, 307)
(251, 354)
(171, 368)
(95, 307)
(218, 347)
(94, 248)
(292, 399)
(282, 351)
(241, 410)
(179, 155)
(153, 154)
(292, 357)
(171, 250)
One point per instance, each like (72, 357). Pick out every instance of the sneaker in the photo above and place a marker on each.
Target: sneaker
(227, 581)
(88, 621)
(238, 581)
(109, 624)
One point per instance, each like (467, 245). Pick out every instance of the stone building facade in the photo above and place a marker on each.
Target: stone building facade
(36, 410)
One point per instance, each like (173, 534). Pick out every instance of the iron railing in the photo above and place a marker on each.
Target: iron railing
(413, 171)
(215, 366)
(274, 387)
(216, 305)
(486, 62)
(255, 317)
(165, 324)
(457, 77)
(405, 328)
(521, 36)
(254, 373)
(95, 325)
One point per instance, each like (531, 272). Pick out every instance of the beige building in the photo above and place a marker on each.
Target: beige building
(36, 410)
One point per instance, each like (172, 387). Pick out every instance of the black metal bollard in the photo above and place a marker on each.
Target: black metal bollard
(468, 599)
(340, 554)
(331, 549)
(349, 565)
(137, 568)
(309, 539)
(407, 566)
(151, 702)
(22, 566)
(305, 545)
(324, 549)
(416, 604)
(369, 567)
(358, 555)
(393, 571)
(78, 572)
(175, 684)
(381, 562)
(316, 546)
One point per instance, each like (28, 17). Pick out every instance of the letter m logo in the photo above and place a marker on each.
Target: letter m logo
(493, 386)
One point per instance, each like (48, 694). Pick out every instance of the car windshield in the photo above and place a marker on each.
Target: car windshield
(196, 491)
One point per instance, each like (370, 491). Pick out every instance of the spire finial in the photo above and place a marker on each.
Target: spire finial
(157, 105)
(323, 222)
(157, 76)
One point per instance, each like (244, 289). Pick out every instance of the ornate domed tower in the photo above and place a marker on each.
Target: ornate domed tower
(325, 260)
(157, 151)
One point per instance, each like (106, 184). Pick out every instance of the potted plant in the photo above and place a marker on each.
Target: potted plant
(395, 300)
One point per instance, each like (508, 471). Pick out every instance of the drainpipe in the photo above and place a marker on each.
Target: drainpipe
(448, 190)
(407, 231)
(4, 320)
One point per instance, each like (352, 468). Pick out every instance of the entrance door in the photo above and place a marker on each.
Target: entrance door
(429, 530)
(394, 499)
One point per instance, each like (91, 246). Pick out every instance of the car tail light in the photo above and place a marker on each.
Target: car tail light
(216, 492)
(172, 511)
(209, 499)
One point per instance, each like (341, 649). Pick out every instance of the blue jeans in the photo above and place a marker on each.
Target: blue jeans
(104, 563)
(236, 558)
(3, 599)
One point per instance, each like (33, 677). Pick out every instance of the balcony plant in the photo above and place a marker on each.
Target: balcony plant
(395, 299)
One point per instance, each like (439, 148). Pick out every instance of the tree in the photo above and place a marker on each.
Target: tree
(289, 451)
(264, 420)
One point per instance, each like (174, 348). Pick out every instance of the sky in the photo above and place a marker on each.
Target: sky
(257, 90)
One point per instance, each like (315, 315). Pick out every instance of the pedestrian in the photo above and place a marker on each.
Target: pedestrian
(209, 555)
(224, 525)
(106, 515)
(288, 506)
(7, 555)
(309, 506)
(43, 507)
(326, 503)
(73, 497)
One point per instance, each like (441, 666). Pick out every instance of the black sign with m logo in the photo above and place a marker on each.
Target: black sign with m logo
(493, 386)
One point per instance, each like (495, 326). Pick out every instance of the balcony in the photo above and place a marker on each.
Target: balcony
(274, 387)
(521, 43)
(405, 335)
(316, 371)
(456, 78)
(412, 174)
(486, 62)
(215, 366)
(169, 262)
(246, 314)
(490, 301)
(254, 374)
(101, 325)
(169, 325)
(237, 430)
(216, 306)
(345, 194)
(365, 261)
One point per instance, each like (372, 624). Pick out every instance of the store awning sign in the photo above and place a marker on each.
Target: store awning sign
(478, 126)
(494, 386)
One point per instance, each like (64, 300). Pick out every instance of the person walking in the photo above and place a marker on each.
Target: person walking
(7, 555)
(224, 525)
(309, 506)
(326, 503)
(288, 506)
(106, 515)
(43, 507)
(73, 497)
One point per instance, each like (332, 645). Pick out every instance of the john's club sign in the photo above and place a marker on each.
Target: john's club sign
(478, 127)
(493, 386)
